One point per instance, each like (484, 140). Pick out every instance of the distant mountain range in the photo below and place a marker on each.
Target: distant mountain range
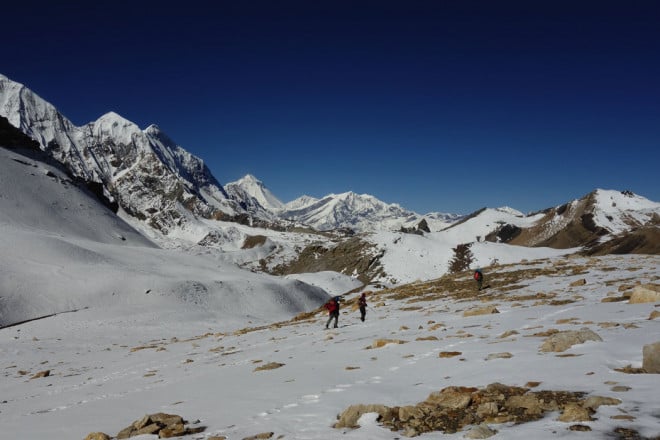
(158, 182)
(161, 188)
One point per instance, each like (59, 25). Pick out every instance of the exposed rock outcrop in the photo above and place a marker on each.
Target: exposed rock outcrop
(454, 408)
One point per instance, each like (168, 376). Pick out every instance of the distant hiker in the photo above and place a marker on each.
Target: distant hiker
(479, 277)
(333, 311)
(362, 303)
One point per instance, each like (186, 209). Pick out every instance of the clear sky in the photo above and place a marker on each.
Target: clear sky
(436, 105)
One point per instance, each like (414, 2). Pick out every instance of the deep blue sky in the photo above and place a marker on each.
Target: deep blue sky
(436, 105)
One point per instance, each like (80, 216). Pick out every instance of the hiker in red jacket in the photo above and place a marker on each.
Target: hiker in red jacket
(479, 278)
(333, 311)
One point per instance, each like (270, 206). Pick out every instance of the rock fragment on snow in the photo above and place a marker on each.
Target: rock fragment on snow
(580, 282)
(97, 436)
(488, 310)
(646, 293)
(574, 412)
(40, 374)
(505, 355)
(563, 340)
(651, 358)
(480, 432)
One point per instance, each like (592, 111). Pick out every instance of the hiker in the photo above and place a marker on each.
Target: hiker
(362, 303)
(333, 311)
(479, 277)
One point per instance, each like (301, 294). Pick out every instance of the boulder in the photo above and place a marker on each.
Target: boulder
(646, 293)
(577, 283)
(481, 311)
(562, 341)
(452, 397)
(97, 436)
(594, 402)
(575, 413)
(651, 358)
(480, 432)
(505, 355)
(350, 416)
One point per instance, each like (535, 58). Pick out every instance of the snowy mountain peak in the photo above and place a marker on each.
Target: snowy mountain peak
(254, 188)
(509, 210)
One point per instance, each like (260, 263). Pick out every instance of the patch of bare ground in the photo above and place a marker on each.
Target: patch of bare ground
(644, 240)
(353, 255)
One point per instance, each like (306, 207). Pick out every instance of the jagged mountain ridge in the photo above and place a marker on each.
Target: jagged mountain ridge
(359, 212)
(153, 179)
(596, 217)
(159, 183)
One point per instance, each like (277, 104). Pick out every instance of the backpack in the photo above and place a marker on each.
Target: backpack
(477, 274)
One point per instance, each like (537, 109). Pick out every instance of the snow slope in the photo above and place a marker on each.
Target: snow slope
(65, 251)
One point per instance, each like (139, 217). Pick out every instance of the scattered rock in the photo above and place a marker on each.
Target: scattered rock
(504, 355)
(620, 388)
(579, 428)
(452, 397)
(488, 310)
(480, 432)
(626, 417)
(44, 373)
(651, 358)
(646, 293)
(594, 402)
(487, 409)
(654, 314)
(97, 436)
(577, 283)
(378, 343)
(262, 436)
(575, 413)
(449, 354)
(161, 424)
(508, 333)
(629, 369)
(562, 341)
(453, 408)
(350, 416)
(269, 366)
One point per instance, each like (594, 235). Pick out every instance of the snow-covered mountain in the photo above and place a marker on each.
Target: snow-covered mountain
(158, 183)
(255, 188)
(596, 217)
(153, 179)
(360, 212)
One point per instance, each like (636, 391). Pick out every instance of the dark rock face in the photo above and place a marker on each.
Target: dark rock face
(12, 137)
(504, 234)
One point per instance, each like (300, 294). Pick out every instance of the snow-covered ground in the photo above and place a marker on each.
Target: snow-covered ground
(110, 365)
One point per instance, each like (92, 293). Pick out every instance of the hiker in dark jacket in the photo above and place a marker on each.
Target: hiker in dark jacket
(479, 278)
(362, 303)
(333, 311)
